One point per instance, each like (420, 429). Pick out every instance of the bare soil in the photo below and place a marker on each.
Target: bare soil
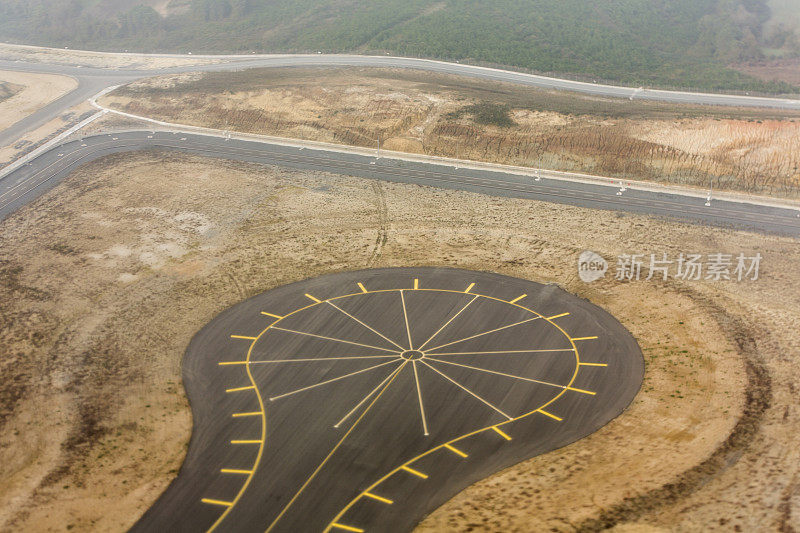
(37, 91)
(756, 151)
(40, 54)
(787, 70)
(105, 279)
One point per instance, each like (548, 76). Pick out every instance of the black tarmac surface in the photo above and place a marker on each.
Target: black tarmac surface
(361, 401)
(30, 181)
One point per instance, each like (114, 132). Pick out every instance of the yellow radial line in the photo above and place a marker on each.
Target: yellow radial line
(381, 335)
(327, 458)
(367, 397)
(405, 315)
(506, 351)
(518, 298)
(501, 433)
(551, 415)
(345, 527)
(593, 364)
(404, 466)
(308, 359)
(360, 286)
(272, 399)
(557, 316)
(510, 376)
(485, 333)
(381, 499)
(262, 441)
(456, 451)
(217, 502)
(448, 378)
(447, 323)
(470, 287)
(419, 397)
(414, 472)
(334, 339)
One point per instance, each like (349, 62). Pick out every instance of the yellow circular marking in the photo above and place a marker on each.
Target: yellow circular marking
(259, 455)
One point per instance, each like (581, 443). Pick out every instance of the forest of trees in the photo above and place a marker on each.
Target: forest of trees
(668, 43)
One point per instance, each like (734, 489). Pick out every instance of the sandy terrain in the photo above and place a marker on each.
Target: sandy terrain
(755, 151)
(39, 54)
(38, 91)
(106, 278)
(787, 70)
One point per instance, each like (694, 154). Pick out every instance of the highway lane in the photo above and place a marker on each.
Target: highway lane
(30, 181)
(361, 401)
(92, 80)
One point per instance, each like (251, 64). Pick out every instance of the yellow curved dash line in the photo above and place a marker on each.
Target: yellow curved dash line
(333, 523)
(487, 428)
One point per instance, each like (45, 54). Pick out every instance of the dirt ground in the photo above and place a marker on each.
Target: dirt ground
(38, 90)
(755, 151)
(39, 54)
(787, 70)
(105, 279)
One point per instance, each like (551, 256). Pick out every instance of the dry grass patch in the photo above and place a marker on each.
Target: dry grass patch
(740, 149)
(106, 278)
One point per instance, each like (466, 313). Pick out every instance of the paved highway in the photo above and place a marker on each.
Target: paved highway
(92, 80)
(29, 181)
(361, 401)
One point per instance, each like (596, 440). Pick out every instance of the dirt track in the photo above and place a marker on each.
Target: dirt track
(107, 277)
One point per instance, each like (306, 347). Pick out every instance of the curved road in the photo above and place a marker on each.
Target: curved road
(361, 401)
(92, 80)
(45, 171)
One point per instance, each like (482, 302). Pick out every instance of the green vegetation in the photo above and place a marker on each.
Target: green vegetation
(487, 114)
(674, 43)
(7, 90)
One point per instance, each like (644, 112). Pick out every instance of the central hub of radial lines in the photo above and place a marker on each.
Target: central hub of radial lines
(412, 355)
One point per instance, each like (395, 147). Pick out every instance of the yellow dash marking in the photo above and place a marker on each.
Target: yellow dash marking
(315, 299)
(470, 287)
(554, 417)
(245, 442)
(416, 283)
(224, 363)
(518, 298)
(501, 433)
(593, 364)
(216, 502)
(254, 413)
(243, 337)
(239, 389)
(455, 450)
(270, 314)
(414, 472)
(581, 390)
(584, 338)
(346, 528)
(360, 286)
(235, 471)
(378, 498)
(557, 316)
